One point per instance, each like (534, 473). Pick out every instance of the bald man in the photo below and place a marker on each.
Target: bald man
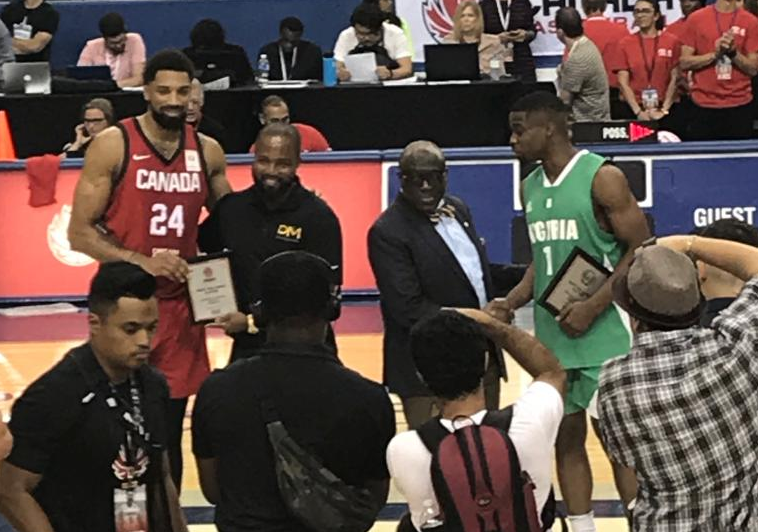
(426, 254)
(201, 122)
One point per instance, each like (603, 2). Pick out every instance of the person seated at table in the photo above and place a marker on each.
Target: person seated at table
(201, 122)
(370, 33)
(97, 115)
(209, 47)
(6, 49)
(124, 53)
(647, 71)
(275, 110)
(388, 8)
(291, 57)
(468, 27)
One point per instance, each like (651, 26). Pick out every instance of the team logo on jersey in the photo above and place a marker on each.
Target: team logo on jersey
(191, 160)
(438, 17)
(57, 240)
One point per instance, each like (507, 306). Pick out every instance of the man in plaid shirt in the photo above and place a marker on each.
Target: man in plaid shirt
(681, 407)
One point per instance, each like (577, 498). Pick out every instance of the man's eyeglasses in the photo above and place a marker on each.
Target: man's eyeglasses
(431, 178)
(93, 120)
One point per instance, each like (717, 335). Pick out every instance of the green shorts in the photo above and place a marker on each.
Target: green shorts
(581, 385)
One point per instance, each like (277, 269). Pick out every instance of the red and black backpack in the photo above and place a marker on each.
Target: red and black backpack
(478, 480)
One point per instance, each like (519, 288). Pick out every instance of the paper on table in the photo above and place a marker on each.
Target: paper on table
(362, 67)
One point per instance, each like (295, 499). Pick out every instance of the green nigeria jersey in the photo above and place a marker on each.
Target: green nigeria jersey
(560, 217)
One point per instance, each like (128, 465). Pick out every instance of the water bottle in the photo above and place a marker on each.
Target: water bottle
(330, 70)
(263, 69)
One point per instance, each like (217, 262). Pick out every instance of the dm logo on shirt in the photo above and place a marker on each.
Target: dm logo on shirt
(57, 240)
(438, 17)
(289, 233)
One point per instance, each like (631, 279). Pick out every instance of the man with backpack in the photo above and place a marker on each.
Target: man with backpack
(291, 440)
(470, 466)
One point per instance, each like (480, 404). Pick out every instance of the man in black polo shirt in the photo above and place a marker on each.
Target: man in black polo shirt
(276, 214)
(292, 57)
(89, 451)
(341, 418)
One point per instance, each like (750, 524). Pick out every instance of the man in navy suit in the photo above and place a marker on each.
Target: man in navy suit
(425, 255)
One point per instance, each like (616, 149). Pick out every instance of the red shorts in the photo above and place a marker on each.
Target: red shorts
(179, 350)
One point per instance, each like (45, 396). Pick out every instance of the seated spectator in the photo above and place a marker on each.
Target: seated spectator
(720, 47)
(214, 58)
(648, 65)
(275, 110)
(582, 81)
(449, 350)
(370, 33)
(342, 420)
(97, 115)
(606, 34)
(6, 49)
(680, 407)
(122, 52)
(468, 27)
(720, 288)
(513, 22)
(200, 121)
(291, 57)
(388, 8)
(32, 24)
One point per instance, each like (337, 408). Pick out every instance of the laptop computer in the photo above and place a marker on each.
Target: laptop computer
(451, 62)
(214, 64)
(26, 78)
(102, 72)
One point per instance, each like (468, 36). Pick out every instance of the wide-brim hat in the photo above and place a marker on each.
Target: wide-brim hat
(660, 287)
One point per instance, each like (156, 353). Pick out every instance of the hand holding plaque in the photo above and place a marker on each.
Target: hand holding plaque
(210, 286)
(578, 279)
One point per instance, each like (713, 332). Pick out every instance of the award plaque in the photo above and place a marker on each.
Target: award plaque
(210, 286)
(578, 279)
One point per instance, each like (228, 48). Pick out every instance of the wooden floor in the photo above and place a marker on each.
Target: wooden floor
(23, 360)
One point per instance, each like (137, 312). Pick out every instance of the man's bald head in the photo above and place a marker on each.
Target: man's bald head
(421, 155)
(196, 102)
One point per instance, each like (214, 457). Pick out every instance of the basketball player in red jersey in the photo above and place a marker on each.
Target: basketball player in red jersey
(139, 198)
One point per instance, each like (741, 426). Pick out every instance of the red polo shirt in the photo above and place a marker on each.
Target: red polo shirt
(661, 60)
(701, 35)
(606, 35)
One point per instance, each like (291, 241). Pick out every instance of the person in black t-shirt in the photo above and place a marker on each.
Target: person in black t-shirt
(342, 419)
(214, 58)
(89, 452)
(32, 24)
(291, 57)
(276, 214)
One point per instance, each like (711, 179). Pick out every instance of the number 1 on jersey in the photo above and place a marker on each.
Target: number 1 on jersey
(161, 221)
(548, 260)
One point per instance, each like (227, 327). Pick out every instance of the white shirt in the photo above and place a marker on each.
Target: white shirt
(394, 41)
(534, 428)
(465, 252)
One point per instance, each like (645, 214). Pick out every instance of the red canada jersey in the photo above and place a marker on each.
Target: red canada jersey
(157, 202)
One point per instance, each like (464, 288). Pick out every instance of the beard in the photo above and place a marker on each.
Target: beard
(274, 194)
(169, 122)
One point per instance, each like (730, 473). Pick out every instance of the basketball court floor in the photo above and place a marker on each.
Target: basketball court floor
(31, 345)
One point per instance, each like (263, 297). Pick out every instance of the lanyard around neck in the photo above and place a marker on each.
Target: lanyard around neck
(718, 22)
(285, 75)
(505, 19)
(649, 69)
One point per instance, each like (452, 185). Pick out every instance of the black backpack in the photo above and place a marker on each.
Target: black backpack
(313, 495)
(478, 480)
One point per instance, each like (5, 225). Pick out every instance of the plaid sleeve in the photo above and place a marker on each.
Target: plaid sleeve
(742, 315)
(612, 420)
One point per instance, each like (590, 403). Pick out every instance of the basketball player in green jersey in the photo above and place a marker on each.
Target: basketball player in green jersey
(573, 199)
